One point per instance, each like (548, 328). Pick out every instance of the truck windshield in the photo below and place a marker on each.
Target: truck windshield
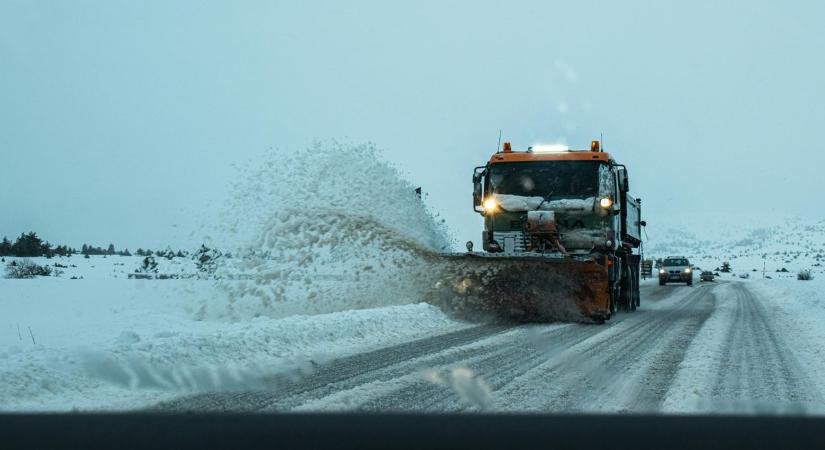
(559, 178)
(676, 262)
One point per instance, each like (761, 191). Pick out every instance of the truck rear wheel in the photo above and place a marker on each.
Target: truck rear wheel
(628, 284)
(614, 299)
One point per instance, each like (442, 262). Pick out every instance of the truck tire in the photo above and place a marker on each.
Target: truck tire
(614, 299)
(627, 302)
(661, 282)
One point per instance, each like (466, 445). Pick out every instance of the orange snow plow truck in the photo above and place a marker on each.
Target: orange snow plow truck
(560, 241)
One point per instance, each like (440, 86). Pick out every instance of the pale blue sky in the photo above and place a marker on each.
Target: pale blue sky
(114, 113)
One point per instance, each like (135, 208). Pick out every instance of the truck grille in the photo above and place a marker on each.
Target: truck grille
(511, 241)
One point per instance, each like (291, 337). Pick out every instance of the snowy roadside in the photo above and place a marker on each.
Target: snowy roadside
(795, 309)
(798, 308)
(123, 344)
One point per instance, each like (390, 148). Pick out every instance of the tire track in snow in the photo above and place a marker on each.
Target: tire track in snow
(283, 386)
(497, 359)
(757, 368)
(626, 368)
(626, 365)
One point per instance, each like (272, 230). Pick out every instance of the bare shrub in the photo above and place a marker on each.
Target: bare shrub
(805, 274)
(26, 269)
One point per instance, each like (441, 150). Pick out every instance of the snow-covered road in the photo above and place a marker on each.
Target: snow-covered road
(711, 347)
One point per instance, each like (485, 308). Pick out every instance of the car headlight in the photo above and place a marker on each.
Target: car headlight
(490, 205)
(687, 270)
(662, 271)
(605, 202)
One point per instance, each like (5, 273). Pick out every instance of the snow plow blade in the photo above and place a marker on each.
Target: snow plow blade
(523, 287)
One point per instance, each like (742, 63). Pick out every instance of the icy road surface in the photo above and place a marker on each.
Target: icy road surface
(713, 347)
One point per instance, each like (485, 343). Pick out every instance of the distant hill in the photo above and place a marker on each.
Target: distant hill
(745, 241)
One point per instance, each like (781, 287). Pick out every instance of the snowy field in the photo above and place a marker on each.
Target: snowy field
(107, 342)
(327, 271)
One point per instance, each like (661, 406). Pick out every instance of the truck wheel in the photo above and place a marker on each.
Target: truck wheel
(628, 303)
(614, 300)
(661, 282)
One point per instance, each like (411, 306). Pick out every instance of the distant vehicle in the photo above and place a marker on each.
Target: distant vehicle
(675, 268)
(706, 276)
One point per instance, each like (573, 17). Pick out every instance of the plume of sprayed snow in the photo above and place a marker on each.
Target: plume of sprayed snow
(325, 229)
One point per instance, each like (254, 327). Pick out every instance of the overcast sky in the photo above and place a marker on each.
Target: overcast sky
(120, 120)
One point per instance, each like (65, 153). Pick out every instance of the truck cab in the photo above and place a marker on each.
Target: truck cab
(584, 194)
(574, 205)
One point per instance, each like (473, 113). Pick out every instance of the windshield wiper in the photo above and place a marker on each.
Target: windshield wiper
(546, 198)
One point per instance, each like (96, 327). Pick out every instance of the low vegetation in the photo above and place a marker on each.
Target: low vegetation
(805, 274)
(26, 269)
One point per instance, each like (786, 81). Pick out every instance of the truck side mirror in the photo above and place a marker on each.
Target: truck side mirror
(624, 182)
(477, 192)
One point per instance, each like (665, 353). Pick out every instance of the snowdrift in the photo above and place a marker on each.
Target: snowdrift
(330, 228)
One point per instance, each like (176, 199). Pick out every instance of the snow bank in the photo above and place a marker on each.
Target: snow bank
(329, 228)
(123, 344)
(798, 308)
(795, 309)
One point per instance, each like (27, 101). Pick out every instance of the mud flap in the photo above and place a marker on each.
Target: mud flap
(524, 287)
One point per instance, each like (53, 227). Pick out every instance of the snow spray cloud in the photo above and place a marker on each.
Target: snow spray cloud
(325, 229)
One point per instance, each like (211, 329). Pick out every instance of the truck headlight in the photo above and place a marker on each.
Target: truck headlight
(662, 271)
(490, 205)
(606, 202)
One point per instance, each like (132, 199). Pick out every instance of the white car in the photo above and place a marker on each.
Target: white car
(675, 269)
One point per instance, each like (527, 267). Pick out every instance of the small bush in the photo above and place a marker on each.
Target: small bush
(805, 274)
(149, 265)
(207, 260)
(26, 269)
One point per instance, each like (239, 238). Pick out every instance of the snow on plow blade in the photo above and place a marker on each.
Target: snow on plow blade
(523, 287)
